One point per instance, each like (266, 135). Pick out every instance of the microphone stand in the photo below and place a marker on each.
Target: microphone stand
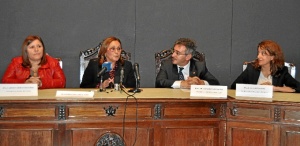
(121, 78)
(100, 85)
(137, 86)
(103, 70)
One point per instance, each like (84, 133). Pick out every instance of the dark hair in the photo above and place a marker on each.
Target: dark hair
(274, 50)
(103, 48)
(28, 40)
(188, 43)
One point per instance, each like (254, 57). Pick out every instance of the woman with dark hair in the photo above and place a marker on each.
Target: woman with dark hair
(268, 69)
(110, 51)
(35, 67)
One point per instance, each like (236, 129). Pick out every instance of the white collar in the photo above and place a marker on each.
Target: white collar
(186, 67)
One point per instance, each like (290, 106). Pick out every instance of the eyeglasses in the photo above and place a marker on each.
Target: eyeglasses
(113, 49)
(177, 52)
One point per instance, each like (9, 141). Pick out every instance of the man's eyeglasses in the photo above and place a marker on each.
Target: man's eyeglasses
(177, 52)
(113, 49)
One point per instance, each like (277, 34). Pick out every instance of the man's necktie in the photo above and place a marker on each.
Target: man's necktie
(181, 77)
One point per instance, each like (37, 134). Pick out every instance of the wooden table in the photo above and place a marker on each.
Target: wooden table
(263, 122)
(154, 117)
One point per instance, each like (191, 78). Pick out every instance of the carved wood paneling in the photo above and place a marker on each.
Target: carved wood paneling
(159, 122)
(277, 114)
(250, 133)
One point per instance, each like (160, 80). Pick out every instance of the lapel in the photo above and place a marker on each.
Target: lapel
(175, 71)
(276, 77)
(193, 69)
(274, 80)
(256, 76)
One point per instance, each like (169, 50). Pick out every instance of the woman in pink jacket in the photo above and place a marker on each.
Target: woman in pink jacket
(35, 66)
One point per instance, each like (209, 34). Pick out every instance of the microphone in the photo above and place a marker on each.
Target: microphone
(136, 71)
(106, 67)
(103, 70)
(137, 79)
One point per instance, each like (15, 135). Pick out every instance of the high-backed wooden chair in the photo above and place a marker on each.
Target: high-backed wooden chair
(159, 57)
(84, 58)
(291, 67)
(60, 62)
(166, 54)
(126, 55)
(86, 55)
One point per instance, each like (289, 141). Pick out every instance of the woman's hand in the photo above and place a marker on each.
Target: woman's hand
(280, 89)
(266, 83)
(34, 80)
(106, 83)
(283, 89)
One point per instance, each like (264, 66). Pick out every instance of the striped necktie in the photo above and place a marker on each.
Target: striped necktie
(181, 77)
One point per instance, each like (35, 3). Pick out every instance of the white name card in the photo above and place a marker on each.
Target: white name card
(208, 91)
(18, 90)
(250, 90)
(75, 94)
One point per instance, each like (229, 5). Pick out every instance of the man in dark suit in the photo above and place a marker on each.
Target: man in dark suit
(193, 73)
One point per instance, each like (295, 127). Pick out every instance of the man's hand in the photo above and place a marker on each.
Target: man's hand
(186, 84)
(195, 81)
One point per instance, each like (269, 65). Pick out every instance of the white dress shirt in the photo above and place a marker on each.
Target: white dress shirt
(186, 74)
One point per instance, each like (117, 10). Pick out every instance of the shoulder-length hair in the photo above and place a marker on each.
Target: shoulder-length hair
(29, 39)
(274, 50)
(103, 49)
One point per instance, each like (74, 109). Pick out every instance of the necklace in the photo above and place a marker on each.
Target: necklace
(34, 72)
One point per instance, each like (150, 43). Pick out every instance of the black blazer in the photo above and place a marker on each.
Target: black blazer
(168, 73)
(282, 77)
(90, 79)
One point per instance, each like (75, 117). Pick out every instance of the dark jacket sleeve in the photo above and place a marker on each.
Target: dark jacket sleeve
(129, 78)
(89, 78)
(165, 78)
(248, 76)
(284, 78)
(204, 74)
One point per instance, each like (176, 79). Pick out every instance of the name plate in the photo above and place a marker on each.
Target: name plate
(75, 94)
(250, 90)
(208, 91)
(18, 90)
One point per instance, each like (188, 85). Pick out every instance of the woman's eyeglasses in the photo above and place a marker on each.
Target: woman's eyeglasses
(114, 49)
